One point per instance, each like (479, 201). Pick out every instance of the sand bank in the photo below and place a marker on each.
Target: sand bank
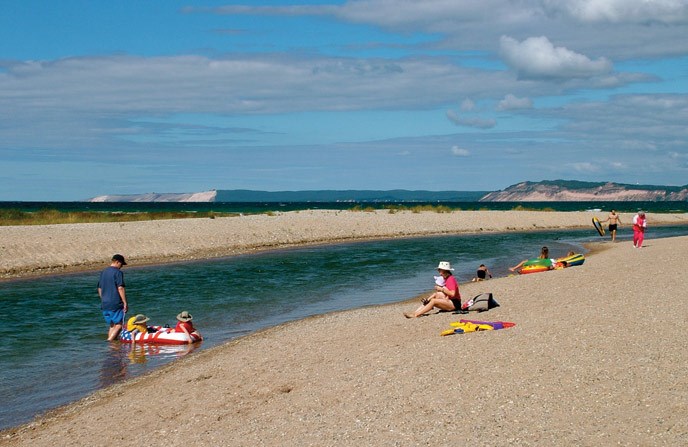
(597, 358)
(35, 250)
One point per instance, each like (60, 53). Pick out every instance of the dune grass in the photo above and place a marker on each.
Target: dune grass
(53, 216)
(525, 208)
(414, 209)
(50, 216)
(438, 208)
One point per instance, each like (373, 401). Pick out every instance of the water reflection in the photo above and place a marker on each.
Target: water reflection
(141, 353)
(120, 357)
(114, 366)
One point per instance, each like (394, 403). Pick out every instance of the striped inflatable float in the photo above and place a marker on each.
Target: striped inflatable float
(572, 260)
(161, 336)
(535, 266)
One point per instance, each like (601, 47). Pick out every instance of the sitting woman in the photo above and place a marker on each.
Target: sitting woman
(544, 254)
(185, 325)
(446, 297)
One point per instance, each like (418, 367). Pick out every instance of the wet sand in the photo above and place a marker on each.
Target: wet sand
(597, 357)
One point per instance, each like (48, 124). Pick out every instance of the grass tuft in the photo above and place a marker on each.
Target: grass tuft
(53, 216)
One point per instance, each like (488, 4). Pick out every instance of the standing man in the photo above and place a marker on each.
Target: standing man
(614, 222)
(112, 296)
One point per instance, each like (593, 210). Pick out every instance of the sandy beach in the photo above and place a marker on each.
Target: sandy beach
(597, 356)
(46, 249)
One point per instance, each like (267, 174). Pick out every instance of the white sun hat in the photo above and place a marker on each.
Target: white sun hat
(445, 265)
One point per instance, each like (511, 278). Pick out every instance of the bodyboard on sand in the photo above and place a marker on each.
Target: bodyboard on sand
(598, 226)
(494, 324)
(573, 260)
(464, 326)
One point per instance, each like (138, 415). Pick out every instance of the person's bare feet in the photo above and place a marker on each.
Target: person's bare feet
(409, 315)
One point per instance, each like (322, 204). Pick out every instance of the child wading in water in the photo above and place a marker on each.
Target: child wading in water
(482, 273)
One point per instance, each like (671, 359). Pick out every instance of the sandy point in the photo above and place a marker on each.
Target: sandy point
(597, 357)
(49, 249)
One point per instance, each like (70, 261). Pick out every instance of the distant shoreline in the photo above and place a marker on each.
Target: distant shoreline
(52, 249)
(244, 207)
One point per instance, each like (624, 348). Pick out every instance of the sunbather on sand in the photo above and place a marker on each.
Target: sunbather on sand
(544, 254)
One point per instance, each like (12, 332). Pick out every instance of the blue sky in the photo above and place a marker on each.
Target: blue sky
(131, 96)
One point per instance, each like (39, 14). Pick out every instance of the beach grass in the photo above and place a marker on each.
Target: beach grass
(394, 208)
(414, 209)
(49, 216)
(526, 208)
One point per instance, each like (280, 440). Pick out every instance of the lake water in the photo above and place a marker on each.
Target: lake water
(262, 207)
(53, 350)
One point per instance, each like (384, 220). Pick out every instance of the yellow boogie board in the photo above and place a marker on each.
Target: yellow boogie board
(463, 327)
(598, 226)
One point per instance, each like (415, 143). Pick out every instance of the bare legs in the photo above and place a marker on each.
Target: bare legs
(438, 300)
(114, 331)
(520, 264)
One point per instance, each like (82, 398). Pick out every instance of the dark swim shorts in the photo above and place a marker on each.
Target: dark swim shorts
(457, 303)
(612, 227)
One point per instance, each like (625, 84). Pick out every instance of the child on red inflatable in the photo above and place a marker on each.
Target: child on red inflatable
(185, 325)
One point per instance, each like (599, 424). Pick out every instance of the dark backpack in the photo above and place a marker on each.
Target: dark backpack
(480, 303)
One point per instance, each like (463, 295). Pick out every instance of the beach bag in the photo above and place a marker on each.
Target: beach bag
(481, 303)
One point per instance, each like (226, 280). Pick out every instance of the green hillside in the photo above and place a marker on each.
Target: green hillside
(398, 195)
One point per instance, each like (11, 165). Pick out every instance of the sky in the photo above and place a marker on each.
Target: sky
(129, 96)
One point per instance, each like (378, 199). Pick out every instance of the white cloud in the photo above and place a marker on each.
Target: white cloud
(390, 13)
(151, 106)
(467, 105)
(459, 152)
(478, 123)
(466, 25)
(585, 167)
(239, 84)
(617, 11)
(86, 101)
(536, 57)
(511, 102)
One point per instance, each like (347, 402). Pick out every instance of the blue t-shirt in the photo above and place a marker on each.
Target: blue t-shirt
(110, 280)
